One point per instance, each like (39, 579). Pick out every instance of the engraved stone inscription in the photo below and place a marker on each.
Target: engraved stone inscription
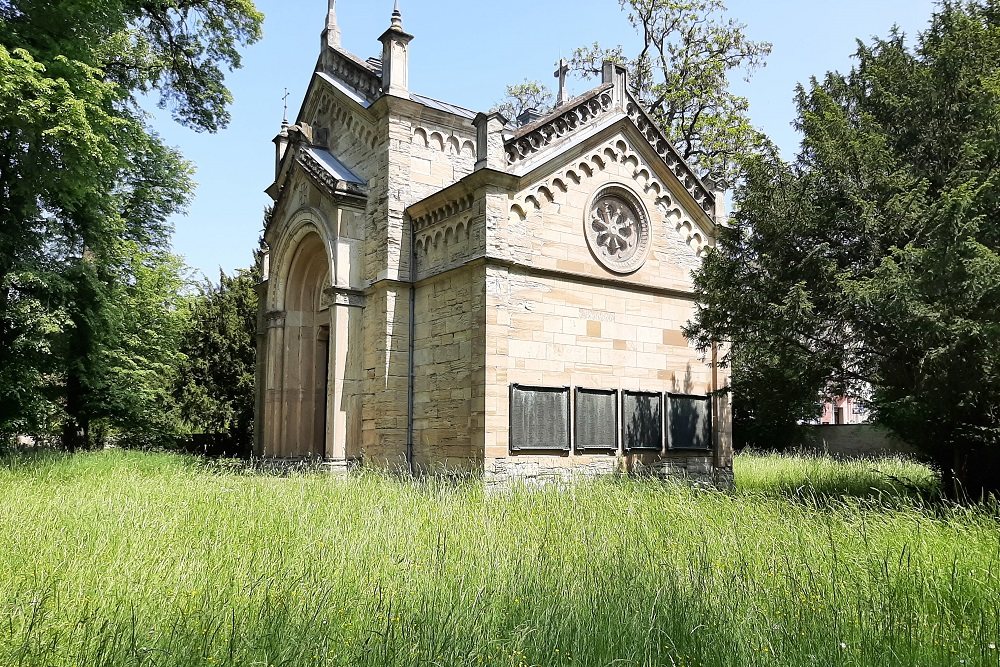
(689, 420)
(617, 230)
(642, 421)
(596, 420)
(539, 418)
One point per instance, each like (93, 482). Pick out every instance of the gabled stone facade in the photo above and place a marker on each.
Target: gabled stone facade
(449, 292)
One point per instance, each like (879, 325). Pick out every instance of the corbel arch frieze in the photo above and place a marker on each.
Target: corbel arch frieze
(669, 155)
(443, 140)
(555, 189)
(328, 111)
(442, 236)
(305, 221)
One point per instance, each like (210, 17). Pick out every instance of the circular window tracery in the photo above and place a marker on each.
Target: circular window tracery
(617, 229)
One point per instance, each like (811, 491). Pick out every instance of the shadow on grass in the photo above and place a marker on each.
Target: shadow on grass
(48, 462)
(819, 479)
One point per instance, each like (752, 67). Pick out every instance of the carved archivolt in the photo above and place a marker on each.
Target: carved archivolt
(444, 141)
(288, 234)
(615, 151)
(535, 139)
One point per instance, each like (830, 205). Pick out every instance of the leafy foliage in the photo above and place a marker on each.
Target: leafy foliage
(872, 260)
(216, 384)
(86, 189)
(681, 75)
(521, 97)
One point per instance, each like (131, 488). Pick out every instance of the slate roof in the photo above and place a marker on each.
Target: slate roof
(332, 165)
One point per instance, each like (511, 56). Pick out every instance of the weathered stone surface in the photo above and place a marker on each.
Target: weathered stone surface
(399, 311)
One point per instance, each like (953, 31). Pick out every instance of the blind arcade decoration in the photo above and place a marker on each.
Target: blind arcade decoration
(539, 419)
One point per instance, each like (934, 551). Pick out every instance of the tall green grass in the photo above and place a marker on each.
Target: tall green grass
(129, 559)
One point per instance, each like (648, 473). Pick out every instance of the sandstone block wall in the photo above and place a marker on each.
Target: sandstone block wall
(545, 224)
(554, 332)
(448, 371)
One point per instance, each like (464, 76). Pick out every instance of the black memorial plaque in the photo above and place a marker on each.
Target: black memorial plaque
(597, 420)
(642, 421)
(539, 418)
(689, 422)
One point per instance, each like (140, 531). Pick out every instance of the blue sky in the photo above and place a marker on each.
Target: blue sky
(466, 52)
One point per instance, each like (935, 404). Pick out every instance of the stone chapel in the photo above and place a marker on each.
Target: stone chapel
(447, 290)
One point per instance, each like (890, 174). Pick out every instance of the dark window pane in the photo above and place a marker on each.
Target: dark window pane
(539, 418)
(642, 421)
(596, 419)
(690, 422)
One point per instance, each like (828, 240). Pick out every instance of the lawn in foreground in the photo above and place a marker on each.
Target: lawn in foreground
(132, 559)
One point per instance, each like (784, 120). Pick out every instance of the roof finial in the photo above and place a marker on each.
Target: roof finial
(284, 117)
(561, 75)
(332, 31)
(397, 16)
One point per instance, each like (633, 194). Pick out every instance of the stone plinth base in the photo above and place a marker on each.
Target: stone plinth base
(544, 470)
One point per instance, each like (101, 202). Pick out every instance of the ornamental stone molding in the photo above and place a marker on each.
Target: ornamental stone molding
(352, 71)
(617, 229)
(442, 140)
(345, 120)
(554, 189)
(535, 137)
(670, 157)
(334, 186)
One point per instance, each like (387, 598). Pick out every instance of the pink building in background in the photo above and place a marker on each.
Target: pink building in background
(844, 411)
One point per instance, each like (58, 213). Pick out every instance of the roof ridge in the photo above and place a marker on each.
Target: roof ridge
(559, 110)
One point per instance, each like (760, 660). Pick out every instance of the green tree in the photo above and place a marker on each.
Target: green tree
(681, 74)
(81, 175)
(872, 260)
(523, 96)
(147, 318)
(215, 388)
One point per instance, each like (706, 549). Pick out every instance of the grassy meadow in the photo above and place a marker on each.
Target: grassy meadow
(131, 559)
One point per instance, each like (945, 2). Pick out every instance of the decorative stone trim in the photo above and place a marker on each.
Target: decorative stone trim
(453, 229)
(533, 138)
(670, 156)
(316, 171)
(275, 319)
(343, 119)
(339, 296)
(443, 212)
(617, 229)
(353, 72)
(554, 189)
(444, 141)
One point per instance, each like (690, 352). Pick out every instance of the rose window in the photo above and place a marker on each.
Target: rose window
(618, 230)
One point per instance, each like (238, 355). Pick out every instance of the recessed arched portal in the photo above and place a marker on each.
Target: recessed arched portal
(298, 414)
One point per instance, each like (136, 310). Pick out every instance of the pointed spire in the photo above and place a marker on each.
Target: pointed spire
(396, 57)
(397, 17)
(332, 31)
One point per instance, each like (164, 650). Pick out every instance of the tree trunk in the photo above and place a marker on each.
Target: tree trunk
(75, 428)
